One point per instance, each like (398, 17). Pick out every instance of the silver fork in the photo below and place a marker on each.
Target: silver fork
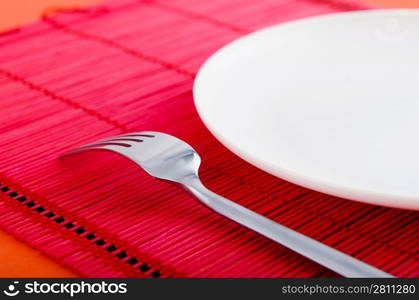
(166, 157)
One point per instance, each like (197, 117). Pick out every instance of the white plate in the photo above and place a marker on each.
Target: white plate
(330, 103)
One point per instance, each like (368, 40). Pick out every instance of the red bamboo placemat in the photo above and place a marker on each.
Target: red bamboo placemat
(82, 75)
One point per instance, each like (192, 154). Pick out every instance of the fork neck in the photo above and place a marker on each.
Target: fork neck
(193, 184)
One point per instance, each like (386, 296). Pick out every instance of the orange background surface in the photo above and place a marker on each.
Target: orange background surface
(18, 259)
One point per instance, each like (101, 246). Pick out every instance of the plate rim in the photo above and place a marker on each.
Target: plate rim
(344, 192)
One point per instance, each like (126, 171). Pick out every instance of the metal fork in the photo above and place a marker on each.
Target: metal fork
(169, 158)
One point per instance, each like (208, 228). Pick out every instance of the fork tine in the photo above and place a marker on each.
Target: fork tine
(113, 143)
(95, 146)
(78, 150)
(106, 142)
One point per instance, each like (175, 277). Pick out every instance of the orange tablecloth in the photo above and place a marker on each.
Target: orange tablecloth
(19, 260)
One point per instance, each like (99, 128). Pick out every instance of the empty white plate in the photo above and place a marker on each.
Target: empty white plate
(330, 103)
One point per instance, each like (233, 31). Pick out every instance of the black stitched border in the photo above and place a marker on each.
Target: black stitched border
(92, 237)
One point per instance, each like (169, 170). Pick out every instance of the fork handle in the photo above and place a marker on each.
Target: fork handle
(326, 256)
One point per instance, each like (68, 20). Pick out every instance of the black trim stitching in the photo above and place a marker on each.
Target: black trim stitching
(100, 242)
